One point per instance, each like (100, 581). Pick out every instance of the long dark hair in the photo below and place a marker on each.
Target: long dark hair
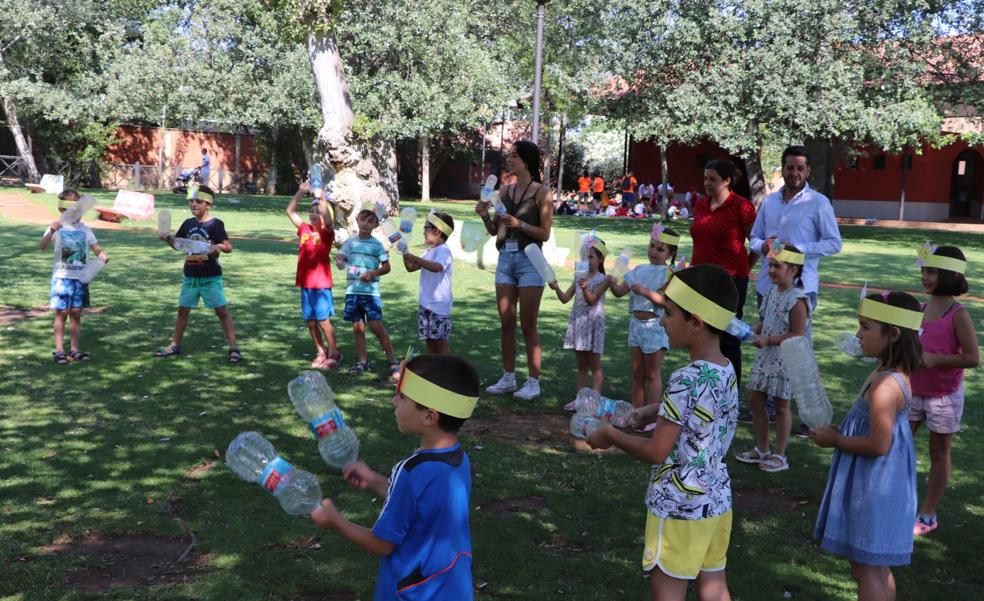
(903, 354)
(725, 170)
(529, 153)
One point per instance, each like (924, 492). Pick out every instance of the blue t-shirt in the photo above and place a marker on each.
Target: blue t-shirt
(426, 517)
(361, 256)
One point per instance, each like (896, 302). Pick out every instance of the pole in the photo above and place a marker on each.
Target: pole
(905, 173)
(540, 7)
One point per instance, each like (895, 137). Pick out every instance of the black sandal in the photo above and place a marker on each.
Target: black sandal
(235, 356)
(168, 351)
(358, 368)
(60, 358)
(77, 355)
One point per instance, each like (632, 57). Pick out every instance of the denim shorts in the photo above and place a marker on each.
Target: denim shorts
(362, 307)
(208, 289)
(514, 268)
(317, 304)
(647, 334)
(68, 294)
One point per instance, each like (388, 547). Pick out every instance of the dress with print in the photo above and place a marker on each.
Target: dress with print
(586, 328)
(767, 373)
(693, 483)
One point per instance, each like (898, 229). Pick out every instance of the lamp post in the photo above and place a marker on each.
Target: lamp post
(538, 67)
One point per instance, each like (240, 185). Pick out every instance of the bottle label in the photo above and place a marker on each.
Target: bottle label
(394, 237)
(606, 408)
(327, 424)
(275, 474)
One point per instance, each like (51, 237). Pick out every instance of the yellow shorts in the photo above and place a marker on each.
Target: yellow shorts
(684, 548)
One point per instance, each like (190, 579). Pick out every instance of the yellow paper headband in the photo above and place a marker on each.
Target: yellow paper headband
(438, 223)
(698, 304)
(885, 313)
(436, 397)
(947, 263)
(669, 239)
(788, 256)
(195, 193)
(64, 204)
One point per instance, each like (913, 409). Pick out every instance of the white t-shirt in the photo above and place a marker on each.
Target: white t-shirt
(639, 209)
(72, 244)
(647, 190)
(435, 286)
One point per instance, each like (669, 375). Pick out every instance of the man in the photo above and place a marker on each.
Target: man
(799, 215)
(206, 167)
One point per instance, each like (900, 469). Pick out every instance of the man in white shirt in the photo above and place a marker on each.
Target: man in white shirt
(206, 167)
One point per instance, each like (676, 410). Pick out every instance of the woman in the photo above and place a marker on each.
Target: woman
(722, 221)
(527, 220)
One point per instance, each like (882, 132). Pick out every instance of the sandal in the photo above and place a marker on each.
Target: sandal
(333, 362)
(774, 463)
(60, 358)
(752, 456)
(168, 351)
(235, 356)
(77, 355)
(358, 368)
(394, 372)
(318, 362)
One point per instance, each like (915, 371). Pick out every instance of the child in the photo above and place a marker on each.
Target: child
(422, 534)
(949, 345)
(314, 275)
(69, 295)
(785, 314)
(364, 260)
(586, 327)
(434, 314)
(647, 338)
(689, 498)
(202, 272)
(870, 497)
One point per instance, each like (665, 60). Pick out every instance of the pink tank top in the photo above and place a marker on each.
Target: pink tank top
(938, 337)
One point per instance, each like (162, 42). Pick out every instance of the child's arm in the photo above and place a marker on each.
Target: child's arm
(656, 298)
(593, 295)
(48, 234)
(383, 269)
(562, 296)
(292, 205)
(963, 327)
(428, 265)
(360, 475)
(619, 289)
(100, 253)
(883, 404)
(224, 246)
(411, 262)
(653, 450)
(328, 516)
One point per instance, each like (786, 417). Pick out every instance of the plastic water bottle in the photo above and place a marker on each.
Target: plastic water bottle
(801, 368)
(488, 190)
(392, 233)
(589, 402)
(408, 215)
(254, 459)
(192, 247)
(740, 330)
(91, 269)
(621, 267)
(74, 213)
(472, 235)
(848, 343)
(535, 255)
(583, 425)
(315, 402)
(500, 207)
(317, 183)
(164, 223)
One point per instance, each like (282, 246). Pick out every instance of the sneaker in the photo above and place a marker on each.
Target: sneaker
(529, 391)
(507, 383)
(801, 431)
(924, 525)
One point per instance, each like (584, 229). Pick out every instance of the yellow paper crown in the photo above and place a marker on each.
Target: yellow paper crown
(926, 258)
(64, 204)
(886, 313)
(698, 304)
(435, 397)
(196, 193)
(437, 222)
(660, 235)
(779, 252)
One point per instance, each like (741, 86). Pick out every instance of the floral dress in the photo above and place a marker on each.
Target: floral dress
(767, 373)
(586, 328)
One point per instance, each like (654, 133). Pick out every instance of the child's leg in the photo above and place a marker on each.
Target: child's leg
(638, 377)
(384, 339)
(180, 325)
(784, 424)
(438, 347)
(359, 332)
(713, 586)
(597, 373)
(75, 327)
(939, 471)
(315, 332)
(59, 330)
(760, 419)
(667, 588)
(654, 376)
(228, 327)
(583, 364)
(875, 583)
(331, 345)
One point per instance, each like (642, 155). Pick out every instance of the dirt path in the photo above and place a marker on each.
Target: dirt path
(15, 206)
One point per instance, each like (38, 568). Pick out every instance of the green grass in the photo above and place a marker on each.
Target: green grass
(85, 446)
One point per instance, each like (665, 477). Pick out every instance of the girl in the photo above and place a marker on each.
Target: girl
(949, 346)
(586, 328)
(434, 313)
(785, 313)
(871, 489)
(647, 338)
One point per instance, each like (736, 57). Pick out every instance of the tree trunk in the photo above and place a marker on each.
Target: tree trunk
(560, 158)
(756, 176)
(23, 147)
(271, 183)
(360, 172)
(548, 154)
(423, 144)
(664, 170)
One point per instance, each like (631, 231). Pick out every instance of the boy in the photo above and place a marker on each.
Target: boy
(202, 272)
(434, 314)
(314, 275)
(364, 260)
(69, 295)
(688, 526)
(422, 534)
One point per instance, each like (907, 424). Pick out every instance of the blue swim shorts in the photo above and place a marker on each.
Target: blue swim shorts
(317, 304)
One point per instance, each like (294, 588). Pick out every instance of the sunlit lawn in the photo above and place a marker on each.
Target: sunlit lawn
(106, 446)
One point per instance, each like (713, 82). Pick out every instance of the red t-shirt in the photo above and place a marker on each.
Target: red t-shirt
(313, 256)
(719, 236)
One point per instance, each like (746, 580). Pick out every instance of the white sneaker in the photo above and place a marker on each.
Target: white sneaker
(529, 391)
(507, 383)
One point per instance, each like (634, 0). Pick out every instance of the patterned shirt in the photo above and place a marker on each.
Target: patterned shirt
(362, 256)
(719, 235)
(693, 482)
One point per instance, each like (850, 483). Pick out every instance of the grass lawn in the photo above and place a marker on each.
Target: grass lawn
(126, 445)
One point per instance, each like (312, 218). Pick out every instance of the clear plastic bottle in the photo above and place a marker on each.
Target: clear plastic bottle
(408, 216)
(315, 402)
(192, 247)
(535, 255)
(488, 190)
(801, 367)
(583, 425)
(74, 213)
(317, 183)
(740, 330)
(621, 266)
(254, 459)
(392, 233)
(589, 402)
(164, 223)
(848, 343)
(92, 267)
